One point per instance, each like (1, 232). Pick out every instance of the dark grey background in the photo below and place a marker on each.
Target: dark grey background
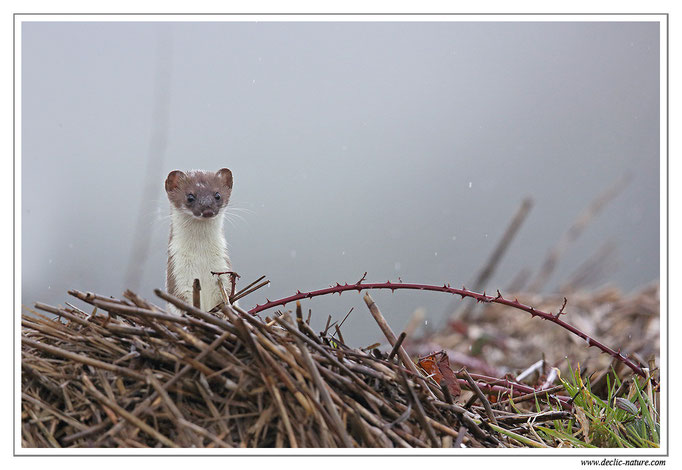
(401, 149)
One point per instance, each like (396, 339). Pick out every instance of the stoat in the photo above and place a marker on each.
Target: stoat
(197, 246)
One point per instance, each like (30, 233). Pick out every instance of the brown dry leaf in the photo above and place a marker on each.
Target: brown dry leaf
(437, 365)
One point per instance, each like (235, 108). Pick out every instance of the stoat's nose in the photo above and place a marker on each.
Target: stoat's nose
(208, 213)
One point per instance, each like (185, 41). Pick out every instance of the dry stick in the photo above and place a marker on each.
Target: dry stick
(464, 416)
(196, 294)
(446, 392)
(390, 336)
(181, 421)
(303, 327)
(517, 386)
(61, 313)
(479, 393)
(145, 313)
(212, 408)
(339, 288)
(48, 435)
(129, 330)
(67, 419)
(324, 393)
(530, 396)
(125, 414)
(88, 297)
(199, 430)
(397, 346)
(55, 351)
(326, 326)
(259, 354)
(247, 291)
(147, 403)
(91, 299)
(283, 356)
(169, 404)
(223, 292)
(207, 317)
(371, 435)
(234, 276)
(199, 344)
(437, 425)
(413, 440)
(46, 329)
(91, 430)
(249, 286)
(274, 390)
(338, 332)
(421, 416)
(55, 389)
(373, 419)
(575, 231)
(495, 257)
(460, 438)
(288, 382)
(337, 363)
(139, 301)
(277, 367)
(338, 326)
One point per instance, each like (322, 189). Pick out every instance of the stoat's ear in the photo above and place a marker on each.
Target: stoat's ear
(225, 176)
(173, 180)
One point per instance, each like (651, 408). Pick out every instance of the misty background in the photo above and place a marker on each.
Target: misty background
(402, 149)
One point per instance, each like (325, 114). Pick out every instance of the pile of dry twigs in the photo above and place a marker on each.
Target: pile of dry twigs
(127, 374)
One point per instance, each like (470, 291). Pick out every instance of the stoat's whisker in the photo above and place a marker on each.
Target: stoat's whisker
(240, 209)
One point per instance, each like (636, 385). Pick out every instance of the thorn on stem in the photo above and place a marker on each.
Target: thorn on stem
(561, 310)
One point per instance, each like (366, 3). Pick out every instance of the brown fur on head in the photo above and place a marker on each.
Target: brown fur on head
(202, 194)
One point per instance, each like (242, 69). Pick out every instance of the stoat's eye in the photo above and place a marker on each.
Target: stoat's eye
(217, 196)
(190, 198)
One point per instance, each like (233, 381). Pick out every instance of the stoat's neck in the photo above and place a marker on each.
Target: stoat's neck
(193, 234)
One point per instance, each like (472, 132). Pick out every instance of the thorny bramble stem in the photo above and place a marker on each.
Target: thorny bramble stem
(463, 292)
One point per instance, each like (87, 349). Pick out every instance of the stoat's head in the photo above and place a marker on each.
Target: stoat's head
(202, 194)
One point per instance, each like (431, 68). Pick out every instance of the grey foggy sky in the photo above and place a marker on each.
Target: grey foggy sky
(400, 149)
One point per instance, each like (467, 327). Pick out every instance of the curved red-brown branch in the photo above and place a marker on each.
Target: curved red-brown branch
(463, 292)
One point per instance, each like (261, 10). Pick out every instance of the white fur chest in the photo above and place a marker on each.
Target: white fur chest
(196, 248)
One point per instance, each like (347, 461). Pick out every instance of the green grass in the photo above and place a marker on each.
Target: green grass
(629, 421)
